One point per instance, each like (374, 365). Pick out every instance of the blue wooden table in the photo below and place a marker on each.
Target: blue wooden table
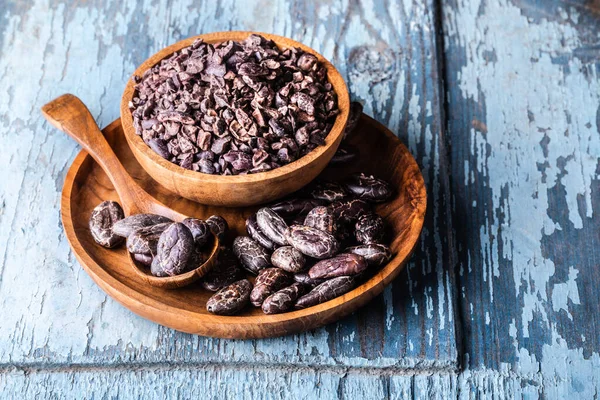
(499, 102)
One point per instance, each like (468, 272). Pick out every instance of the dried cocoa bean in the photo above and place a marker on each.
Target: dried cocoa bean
(156, 268)
(255, 233)
(306, 280)
(321, 218)
(200, 230)
(312, 242)
(326, 291)
(283, 300)
(375, 254)
(348, 211)
(345, 264)
(175, 247)
(231, 299)
(289, 259)
(369, 188)
(127, 226)
(292, 207)
(252, 255)
(160, 147)
(268, 281)
(145, 240)
(329, 192)
(272, 225)
(101, 223)
(218, 225)
(369, 229)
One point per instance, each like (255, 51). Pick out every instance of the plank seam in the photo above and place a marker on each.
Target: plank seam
(445, 118)
(241, 366)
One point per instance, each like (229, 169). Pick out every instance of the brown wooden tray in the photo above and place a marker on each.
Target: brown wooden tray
(183, 309)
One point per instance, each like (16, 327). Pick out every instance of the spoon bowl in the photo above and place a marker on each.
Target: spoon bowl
(236, 190)
(70, 115)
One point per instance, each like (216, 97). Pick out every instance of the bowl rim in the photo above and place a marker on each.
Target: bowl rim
(284, 171)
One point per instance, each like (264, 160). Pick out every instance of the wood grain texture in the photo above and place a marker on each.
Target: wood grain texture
(238, 190)
(524, 99)
(387, 53)
(383, 155)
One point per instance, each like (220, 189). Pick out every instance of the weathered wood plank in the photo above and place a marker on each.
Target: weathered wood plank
(209, 383)
(54, 314)
(523, 100)
(274, 383)
(219, 383)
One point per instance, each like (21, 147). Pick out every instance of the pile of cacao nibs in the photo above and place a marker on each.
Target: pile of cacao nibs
(168, 248)
(304, 250)
(235, 107)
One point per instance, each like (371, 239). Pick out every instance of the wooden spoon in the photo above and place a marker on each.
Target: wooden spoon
(70, 115)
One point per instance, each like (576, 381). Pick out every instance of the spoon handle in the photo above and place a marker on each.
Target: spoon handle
(71, 116)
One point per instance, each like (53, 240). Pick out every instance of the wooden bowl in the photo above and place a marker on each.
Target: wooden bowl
(181, 280)
(238, 190)
(184, 309)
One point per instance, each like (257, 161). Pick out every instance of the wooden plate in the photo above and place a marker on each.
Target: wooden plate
(86, 185)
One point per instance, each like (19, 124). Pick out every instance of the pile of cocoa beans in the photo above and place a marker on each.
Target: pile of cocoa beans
(304, 250)
(168, 248)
